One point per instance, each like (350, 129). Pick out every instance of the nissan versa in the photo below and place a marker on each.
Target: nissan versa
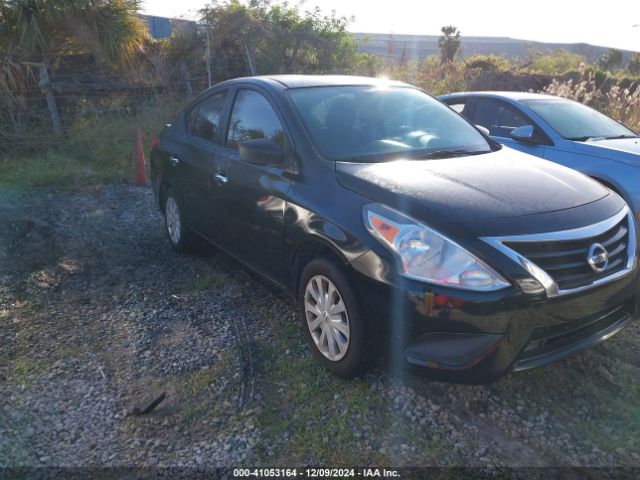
(403, 231)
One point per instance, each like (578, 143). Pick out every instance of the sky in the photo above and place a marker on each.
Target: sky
(607, 23)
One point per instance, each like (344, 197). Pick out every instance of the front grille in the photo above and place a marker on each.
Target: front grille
(565, 261)
(551, 343)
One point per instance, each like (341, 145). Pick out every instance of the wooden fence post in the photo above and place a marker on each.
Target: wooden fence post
(45, 87)
(187, 78)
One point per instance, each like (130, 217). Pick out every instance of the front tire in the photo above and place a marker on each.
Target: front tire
(180, 236)
(331, 318)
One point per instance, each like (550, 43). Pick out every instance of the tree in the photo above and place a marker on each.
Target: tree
(611, 59)
(44, 29)
(488, 63)
(634, 64)
(271, 37)
(554, 63)
(37, 32)
(449, 43)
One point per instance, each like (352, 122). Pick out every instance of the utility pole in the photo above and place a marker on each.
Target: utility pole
(208, 53)
(204, 26)
(250, 61)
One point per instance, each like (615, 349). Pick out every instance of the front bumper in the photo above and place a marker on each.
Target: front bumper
(470, 337)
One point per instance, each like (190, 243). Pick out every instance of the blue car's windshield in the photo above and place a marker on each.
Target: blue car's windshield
(575, 121)
(365, 123)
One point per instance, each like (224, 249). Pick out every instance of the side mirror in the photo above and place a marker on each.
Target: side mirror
(523, 133)
(484, 130)
(261, 151)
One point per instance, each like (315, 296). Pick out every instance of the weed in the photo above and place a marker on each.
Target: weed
(22, 367)
(95, 150)
(206, 282)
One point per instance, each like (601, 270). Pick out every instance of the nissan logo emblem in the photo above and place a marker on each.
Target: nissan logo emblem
(598, 257)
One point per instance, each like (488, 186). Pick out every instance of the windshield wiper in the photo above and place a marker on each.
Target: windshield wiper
(388, 157)
(451, 153)
(593, 137)
(618, 137)
(585, 138)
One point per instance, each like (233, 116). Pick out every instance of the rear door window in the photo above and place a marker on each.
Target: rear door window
(498, 116)
(207, 122)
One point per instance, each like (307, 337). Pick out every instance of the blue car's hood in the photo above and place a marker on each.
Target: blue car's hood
(625, 150)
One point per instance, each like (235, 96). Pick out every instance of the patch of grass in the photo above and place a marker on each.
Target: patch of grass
(190, 412)
(312, 417)
(96, 149)
(207, 282)
(200, 381)
(68, 351)
(306, 412)
(619, 410)
(61, 170)
(612, 399)
(22, 367)
(197, 392)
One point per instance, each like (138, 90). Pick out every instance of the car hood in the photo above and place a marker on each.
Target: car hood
(500, 184)
(623, 149)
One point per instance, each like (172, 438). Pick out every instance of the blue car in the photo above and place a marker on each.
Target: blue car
(562, 131)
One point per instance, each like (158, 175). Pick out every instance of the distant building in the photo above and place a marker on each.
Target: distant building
(163, 27)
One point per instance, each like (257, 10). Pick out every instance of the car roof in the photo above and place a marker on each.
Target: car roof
(297, 81)
(517, 96)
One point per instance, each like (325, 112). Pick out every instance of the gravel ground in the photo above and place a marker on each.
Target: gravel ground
(99, 317)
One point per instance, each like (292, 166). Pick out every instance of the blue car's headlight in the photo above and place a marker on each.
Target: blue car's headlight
(427, 255)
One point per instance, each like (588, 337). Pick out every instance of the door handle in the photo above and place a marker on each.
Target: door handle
(174, 160)
(221, 178)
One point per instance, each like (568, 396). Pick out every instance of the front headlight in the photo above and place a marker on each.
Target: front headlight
(428, 256)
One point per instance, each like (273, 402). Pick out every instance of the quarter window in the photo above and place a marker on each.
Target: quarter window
(209, 117)
(253, 117)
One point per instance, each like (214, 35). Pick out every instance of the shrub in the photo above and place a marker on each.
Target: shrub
(556, 63)
(96, 149)
(430, 75)
(620, 103)
(633, 67)
(488, 63)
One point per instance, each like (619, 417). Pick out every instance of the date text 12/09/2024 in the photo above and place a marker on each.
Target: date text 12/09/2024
(316, 472)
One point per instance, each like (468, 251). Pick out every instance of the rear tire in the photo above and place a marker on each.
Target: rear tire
(332, 319)
(182, 239)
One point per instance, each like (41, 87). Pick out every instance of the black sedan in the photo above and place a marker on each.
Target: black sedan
(403, 231)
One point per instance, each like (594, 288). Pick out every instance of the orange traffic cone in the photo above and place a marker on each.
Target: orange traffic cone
(140, 172)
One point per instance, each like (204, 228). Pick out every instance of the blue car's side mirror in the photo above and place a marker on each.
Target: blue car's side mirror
(484, 130)
(523, 133)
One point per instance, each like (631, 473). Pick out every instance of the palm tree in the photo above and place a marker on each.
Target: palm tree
(37, 32)
(449, 43)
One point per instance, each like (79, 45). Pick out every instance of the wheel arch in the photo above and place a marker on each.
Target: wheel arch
(606, 183)
(165, 185)
(307, 250)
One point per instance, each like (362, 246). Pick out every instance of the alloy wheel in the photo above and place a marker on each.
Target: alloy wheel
(174, 224)
(327, 318)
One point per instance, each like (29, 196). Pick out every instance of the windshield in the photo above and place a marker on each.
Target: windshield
(364, 123)
(575, 121)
